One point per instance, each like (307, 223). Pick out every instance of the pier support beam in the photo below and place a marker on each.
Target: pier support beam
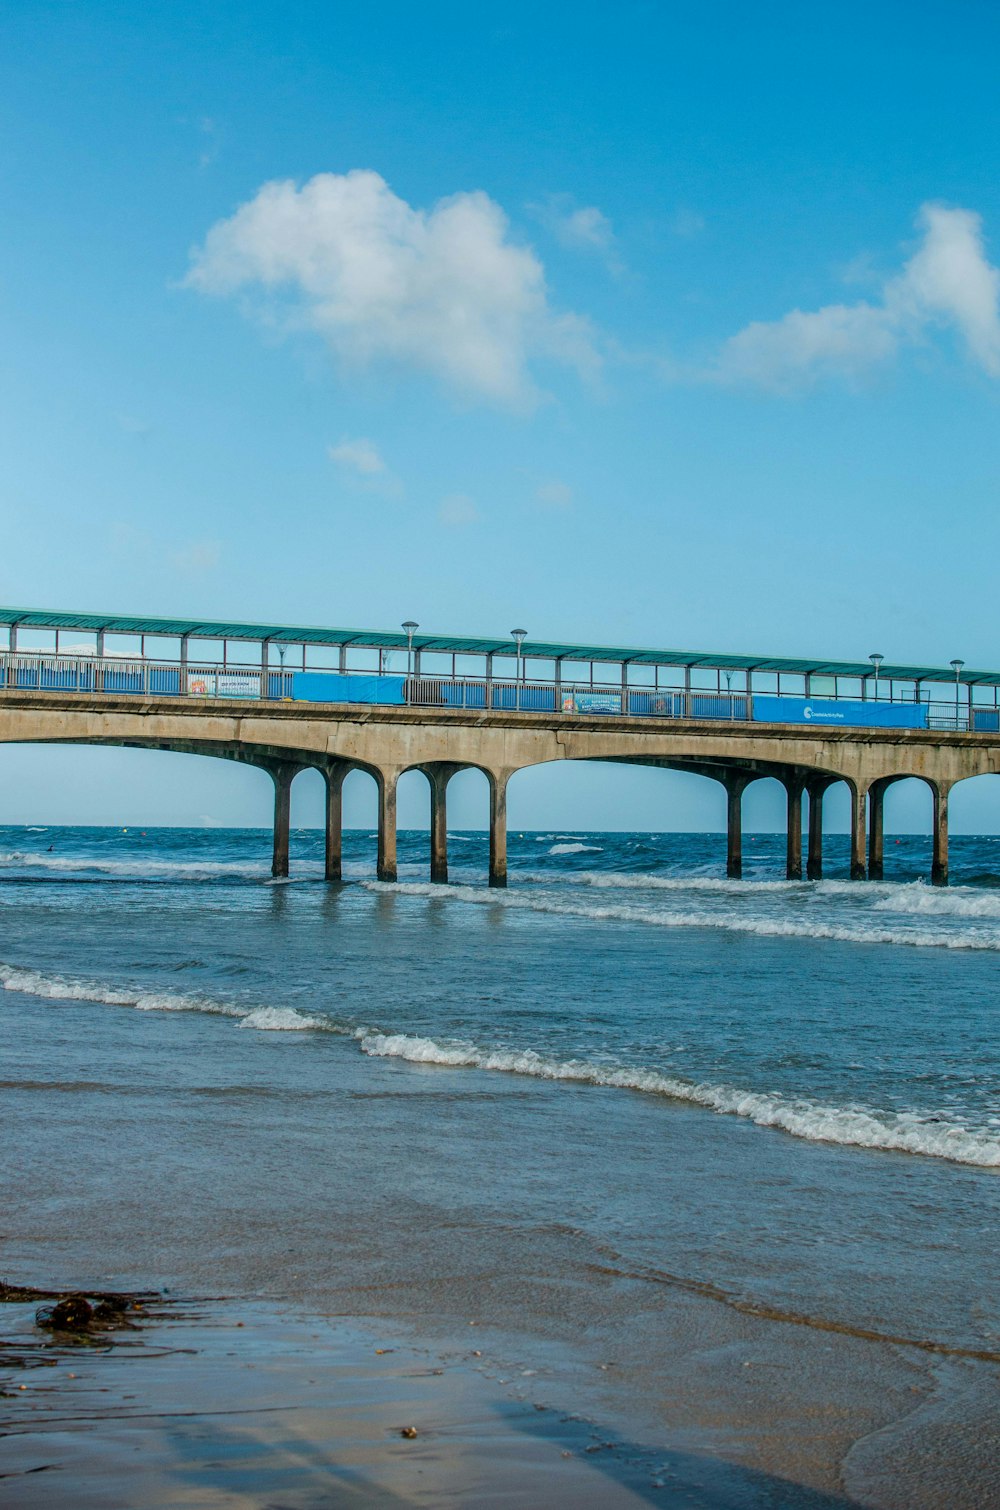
(814, 855)
(794, 787)
(939, 862)
(334, 777)
(439, 777)
(735, 784)
(876, 830)
(283, 773)
(859, 795)
(498, 826)
(387, 780)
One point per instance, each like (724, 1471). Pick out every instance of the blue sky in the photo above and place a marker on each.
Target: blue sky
(645, 323)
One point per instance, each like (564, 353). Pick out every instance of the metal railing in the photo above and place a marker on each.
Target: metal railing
(113, 676)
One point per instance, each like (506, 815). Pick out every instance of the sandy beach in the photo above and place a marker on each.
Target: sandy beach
(219, 1404)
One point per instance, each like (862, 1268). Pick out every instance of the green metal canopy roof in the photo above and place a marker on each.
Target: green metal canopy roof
(210, 629)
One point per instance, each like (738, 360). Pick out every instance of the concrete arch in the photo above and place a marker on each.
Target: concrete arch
(285, 738)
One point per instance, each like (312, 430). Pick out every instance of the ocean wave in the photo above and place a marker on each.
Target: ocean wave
(764, 927)
(58, 988)
(576, 848)
(281, 1020)
(852, 1126)
(617, 880)
(137, 864)
(954, 902)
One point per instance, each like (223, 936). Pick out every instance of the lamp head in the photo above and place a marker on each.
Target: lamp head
(956, 666)
(876, 659)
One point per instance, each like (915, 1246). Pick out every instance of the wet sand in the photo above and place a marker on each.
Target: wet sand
(229, 1404)
(220, 1404)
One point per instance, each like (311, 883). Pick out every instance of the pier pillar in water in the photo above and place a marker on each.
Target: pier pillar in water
(439, 777)
(876, 830)
(735, 785)
(498, 826)
(794, 787)
(859, 797)
(387, 780)
(283, 773)
(939, 862)
(334, 776)
(814, 856)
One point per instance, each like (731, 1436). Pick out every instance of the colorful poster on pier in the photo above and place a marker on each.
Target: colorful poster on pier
(591, 702)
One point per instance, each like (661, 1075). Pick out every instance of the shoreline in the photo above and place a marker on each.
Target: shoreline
(219, 1402)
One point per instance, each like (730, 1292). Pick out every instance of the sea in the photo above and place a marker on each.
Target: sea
(537, 1109)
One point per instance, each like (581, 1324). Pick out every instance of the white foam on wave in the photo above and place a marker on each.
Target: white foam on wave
(764, 927)
(137, 864)
(280, 1020)
(956, 902)
(58, 988)
(852, 1126)
(604, 880)
(576, 848)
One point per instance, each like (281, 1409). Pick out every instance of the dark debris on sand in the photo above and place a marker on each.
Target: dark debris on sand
(71, 1318)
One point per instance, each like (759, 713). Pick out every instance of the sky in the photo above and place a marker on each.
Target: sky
(670, 324)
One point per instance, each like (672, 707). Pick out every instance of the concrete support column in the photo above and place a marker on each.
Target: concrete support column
(387, 824)
(334, 777)
(794, 787)
(282, 775)
(439, 777)
(859, 795)
(498, 827)
(814, 856)
(939, 862)
(876, 830)
(735, 786)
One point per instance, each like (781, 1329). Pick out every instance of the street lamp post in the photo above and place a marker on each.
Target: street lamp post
(520, 636)
(410, 627)
(956, 666)
(876, 661)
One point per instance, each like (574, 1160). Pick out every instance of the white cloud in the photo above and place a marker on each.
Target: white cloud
(361, 456)
(457, 510)
(580, 227)
(948, 283)
(687, 223)
(199, 556)
(555, 494)
(443, 291)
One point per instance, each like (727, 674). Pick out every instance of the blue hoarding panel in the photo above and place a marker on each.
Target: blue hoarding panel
(986, 720)
(330, 687)
(463, 695)
(839, 712)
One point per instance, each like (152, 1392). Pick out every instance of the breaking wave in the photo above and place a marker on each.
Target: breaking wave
(576, 848)
(852, 1126)
(135, 865)
(58, 988)
(281, 1020)
(858, 932)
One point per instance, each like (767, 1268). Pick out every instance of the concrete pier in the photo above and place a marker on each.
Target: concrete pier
(876, 830)
(794, 787)
(386, 867)
(385, 741)
(282, 775)
(939, 861)
(498, 828)
(334, 849)
(859, 806)
(735, 785)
